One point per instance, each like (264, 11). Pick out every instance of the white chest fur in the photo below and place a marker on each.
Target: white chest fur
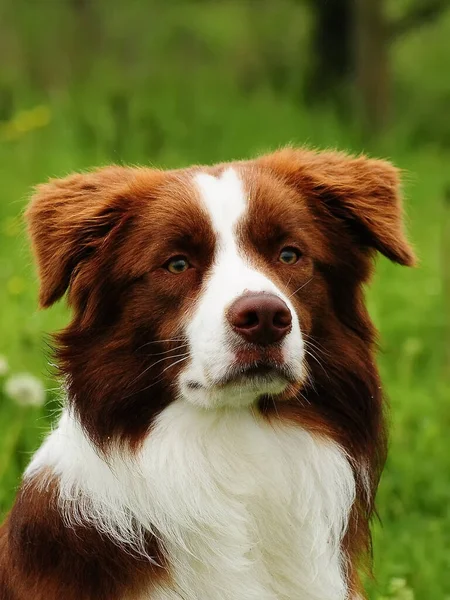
(246, 510)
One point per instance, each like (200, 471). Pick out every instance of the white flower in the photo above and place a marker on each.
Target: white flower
(25, 389)
(4, 367)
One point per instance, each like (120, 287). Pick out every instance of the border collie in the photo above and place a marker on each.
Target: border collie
(222, 436)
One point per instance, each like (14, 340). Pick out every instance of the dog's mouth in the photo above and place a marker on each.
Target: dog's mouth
(243, 383)
(257, 374)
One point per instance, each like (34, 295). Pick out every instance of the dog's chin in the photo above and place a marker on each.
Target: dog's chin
(240, 387)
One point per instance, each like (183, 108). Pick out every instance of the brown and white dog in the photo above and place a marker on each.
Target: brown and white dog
(223, 434)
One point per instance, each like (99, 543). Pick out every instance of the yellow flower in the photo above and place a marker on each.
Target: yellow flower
(25, 121)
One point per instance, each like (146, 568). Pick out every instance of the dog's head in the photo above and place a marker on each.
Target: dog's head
(226, 286)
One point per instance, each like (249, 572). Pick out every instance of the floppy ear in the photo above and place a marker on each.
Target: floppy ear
(364, 192)
(69, 219)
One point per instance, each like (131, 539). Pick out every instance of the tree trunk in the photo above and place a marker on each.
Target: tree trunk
(371, 64)
(331, 62)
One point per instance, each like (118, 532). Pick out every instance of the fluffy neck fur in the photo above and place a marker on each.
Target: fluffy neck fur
(243, 508)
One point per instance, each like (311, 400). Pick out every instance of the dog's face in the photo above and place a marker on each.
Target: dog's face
(243, 330)
(222, 285)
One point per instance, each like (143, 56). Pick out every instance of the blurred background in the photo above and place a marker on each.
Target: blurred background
(91, 82)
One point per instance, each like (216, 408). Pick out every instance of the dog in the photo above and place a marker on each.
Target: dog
(223, 434)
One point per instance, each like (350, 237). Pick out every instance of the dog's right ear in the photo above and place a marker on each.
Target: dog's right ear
(362, 192)
(70, 219)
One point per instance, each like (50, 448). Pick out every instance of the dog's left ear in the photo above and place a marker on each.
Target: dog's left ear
(71, 220)
(361, 191)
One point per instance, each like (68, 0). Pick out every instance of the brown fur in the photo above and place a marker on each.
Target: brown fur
(43, 559)
(98, 237)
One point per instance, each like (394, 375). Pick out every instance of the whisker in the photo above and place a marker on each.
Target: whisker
(312, 346)
(162, 342)
(155, 363)
(157, 381)
(166, 351)
(304, 398)
(275, 406)
(310, 380)
(301, 287)
(317, 361)
(175, 363)
(317, 344)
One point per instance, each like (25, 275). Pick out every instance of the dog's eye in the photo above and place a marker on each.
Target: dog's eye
(177, 264)
(289, 256)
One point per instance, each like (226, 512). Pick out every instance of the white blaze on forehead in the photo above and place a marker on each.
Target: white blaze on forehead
(225, 200)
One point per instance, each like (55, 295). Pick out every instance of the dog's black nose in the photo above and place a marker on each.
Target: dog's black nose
(260, 318)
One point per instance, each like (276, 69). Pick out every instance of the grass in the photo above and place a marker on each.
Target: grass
(412, 558)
